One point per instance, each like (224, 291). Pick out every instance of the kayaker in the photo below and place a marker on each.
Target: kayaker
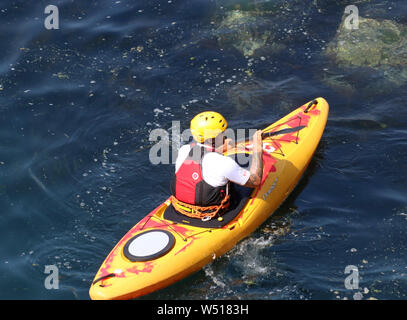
(200, 188)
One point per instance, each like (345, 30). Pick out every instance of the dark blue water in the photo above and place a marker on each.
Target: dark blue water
(77, 106)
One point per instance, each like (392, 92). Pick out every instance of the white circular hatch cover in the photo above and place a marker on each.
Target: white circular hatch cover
(148, 245)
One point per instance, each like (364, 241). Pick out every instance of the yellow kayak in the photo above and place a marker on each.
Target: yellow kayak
(165, 247)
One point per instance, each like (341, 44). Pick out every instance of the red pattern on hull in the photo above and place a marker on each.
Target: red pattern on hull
(147, 267)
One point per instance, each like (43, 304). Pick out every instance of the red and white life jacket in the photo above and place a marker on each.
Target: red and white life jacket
(188, 184)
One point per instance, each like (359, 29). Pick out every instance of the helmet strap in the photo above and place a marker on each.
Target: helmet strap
(209, 145)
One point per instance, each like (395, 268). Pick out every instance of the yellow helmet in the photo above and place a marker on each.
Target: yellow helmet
(206, 125)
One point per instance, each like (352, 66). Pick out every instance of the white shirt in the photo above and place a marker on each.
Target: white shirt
(217, 170)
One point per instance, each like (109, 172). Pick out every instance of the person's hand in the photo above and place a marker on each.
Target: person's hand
(257, 141)
(256, 167)
(226, 146)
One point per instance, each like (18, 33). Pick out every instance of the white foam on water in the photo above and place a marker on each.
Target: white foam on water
(248, 256)
(211, 274)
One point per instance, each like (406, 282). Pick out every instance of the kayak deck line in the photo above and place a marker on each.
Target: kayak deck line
(166, 223)
(286, 131)
(171, 224)
(103, 277)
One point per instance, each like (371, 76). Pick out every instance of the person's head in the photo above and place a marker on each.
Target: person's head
(208, 127)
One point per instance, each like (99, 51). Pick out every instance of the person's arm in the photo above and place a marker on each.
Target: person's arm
(256, 167)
